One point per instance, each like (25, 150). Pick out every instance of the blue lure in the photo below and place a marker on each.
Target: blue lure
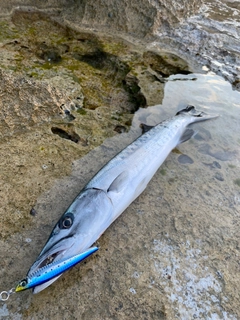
(52, 270)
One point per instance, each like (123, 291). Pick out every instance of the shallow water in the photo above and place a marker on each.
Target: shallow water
(173, 253)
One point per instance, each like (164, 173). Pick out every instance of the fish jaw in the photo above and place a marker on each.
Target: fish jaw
(61, 251)
(57, 253)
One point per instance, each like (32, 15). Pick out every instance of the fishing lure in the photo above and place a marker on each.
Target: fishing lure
(47, 273)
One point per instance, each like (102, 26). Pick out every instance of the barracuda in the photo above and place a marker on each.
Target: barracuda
(113, 188)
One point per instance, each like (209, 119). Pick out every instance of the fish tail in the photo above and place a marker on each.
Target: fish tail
(196, 115)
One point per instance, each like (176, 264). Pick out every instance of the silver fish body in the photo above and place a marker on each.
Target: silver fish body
(113, 188)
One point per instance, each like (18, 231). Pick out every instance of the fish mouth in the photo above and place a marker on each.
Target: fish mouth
(55, 252)
(63, 249)
(42, 261)
(50, 258)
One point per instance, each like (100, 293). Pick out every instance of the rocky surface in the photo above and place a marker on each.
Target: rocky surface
(213, 37)
(203, 31)
(66, 84)
(171, 255)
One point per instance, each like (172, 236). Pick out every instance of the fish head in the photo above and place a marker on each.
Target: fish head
(60, 245)
(78, 228)
(60, 241)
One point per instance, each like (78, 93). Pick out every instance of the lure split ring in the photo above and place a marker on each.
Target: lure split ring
(4, 295)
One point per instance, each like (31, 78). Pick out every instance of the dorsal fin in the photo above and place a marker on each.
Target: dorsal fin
(145, 128)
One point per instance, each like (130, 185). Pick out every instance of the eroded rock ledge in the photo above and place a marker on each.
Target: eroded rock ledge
(202, 31)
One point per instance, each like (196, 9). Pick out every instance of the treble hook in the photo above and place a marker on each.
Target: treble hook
(4, 295)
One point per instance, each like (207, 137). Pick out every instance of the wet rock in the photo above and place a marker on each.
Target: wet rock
(223, 155)
(184, 159)
(154, 77)
(151, 84)
(198, 29)
(33, 212)
(213, 165)
(202, 134)
(142, 19)
(212, 40)
(236, 83)
(219, 176)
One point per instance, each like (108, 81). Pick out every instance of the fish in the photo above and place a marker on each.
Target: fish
(114, 188)
(52, 270)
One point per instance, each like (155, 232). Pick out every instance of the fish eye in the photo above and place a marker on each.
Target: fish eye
(66, 221)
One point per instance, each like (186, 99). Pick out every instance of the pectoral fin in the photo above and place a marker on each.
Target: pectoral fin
(119, 183)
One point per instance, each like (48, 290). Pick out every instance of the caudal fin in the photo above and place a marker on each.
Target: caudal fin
(195, 114)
